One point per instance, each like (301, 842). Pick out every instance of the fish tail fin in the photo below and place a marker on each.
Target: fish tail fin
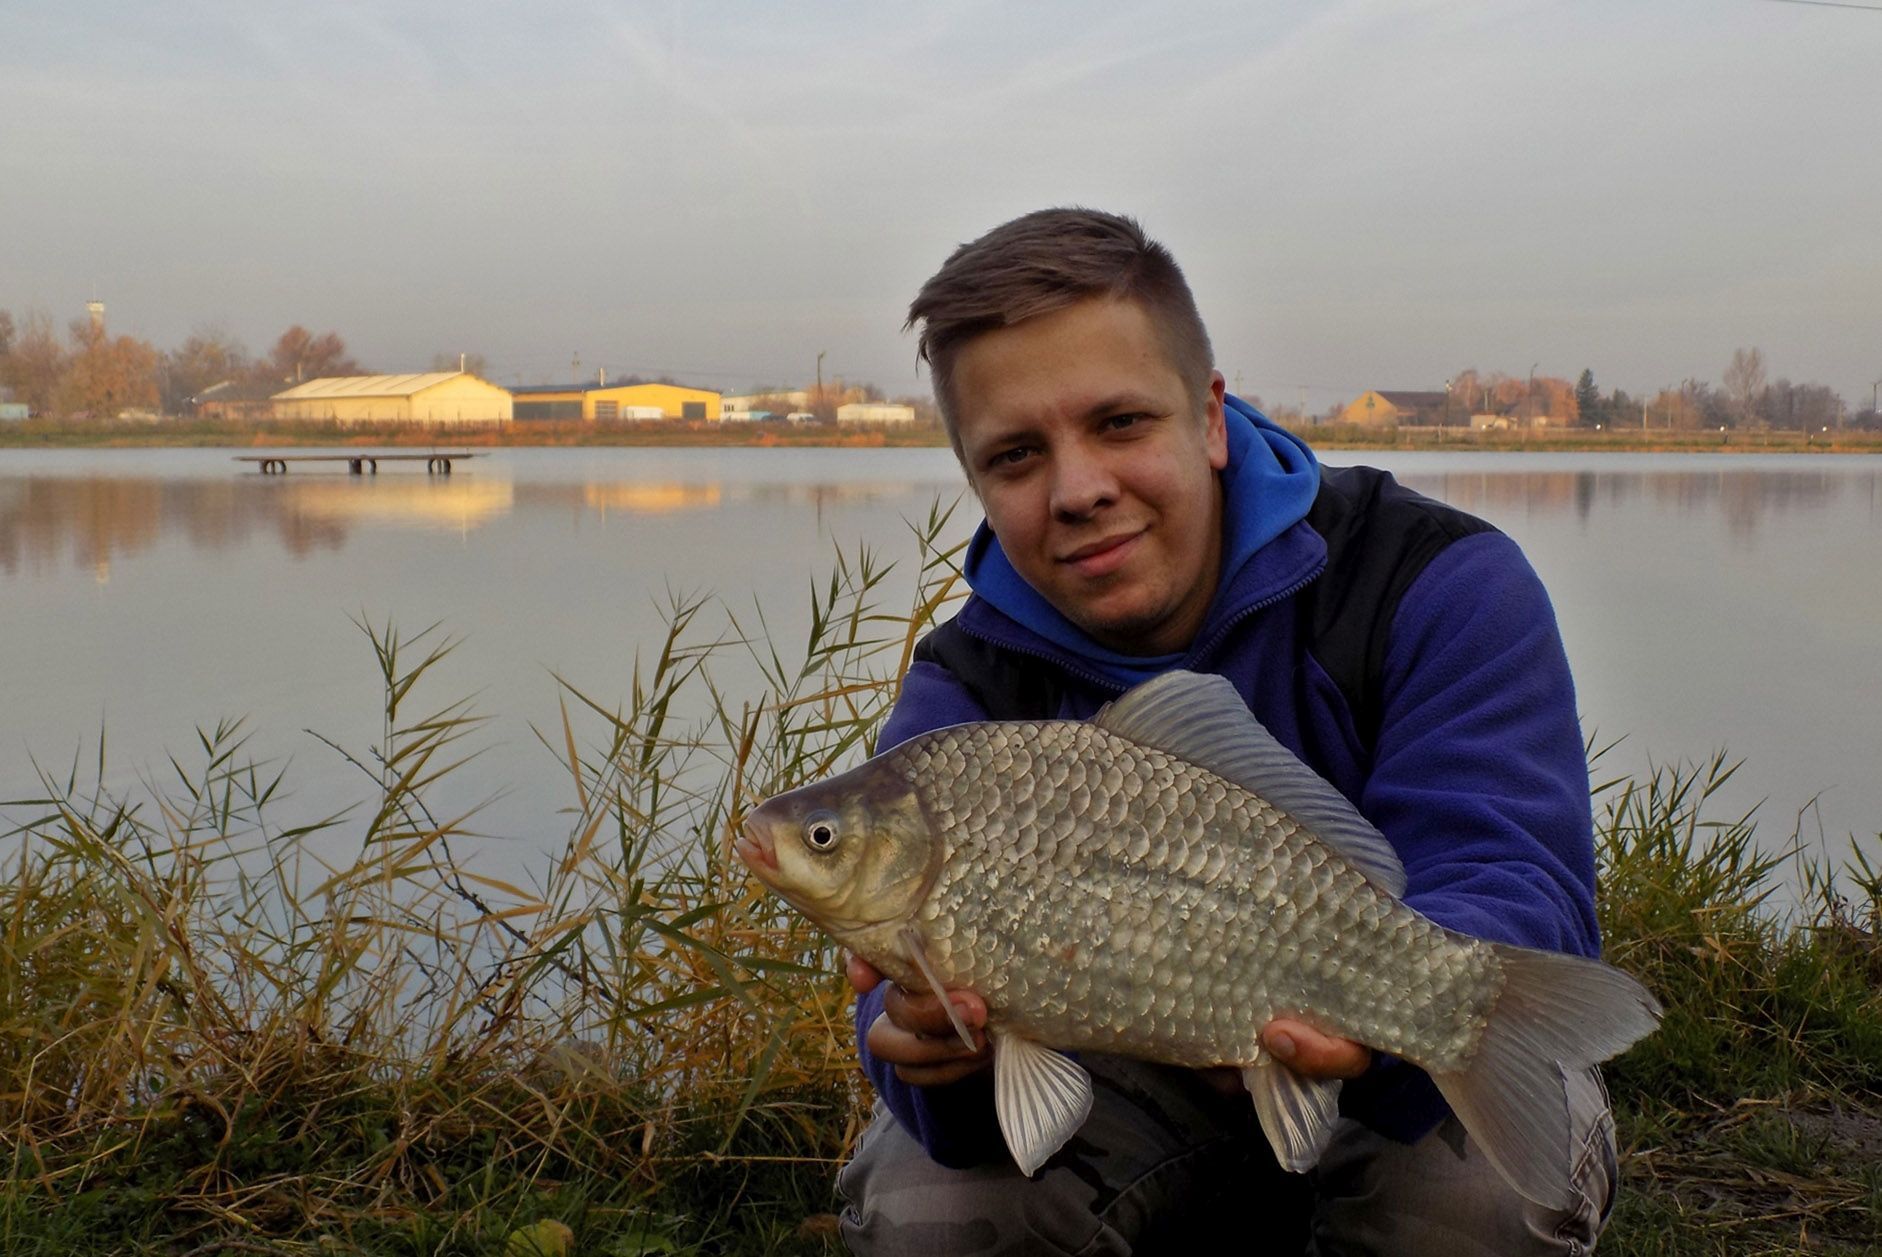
(1556, 1014)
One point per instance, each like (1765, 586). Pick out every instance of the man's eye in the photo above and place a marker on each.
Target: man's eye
(1122, 421)
(1008, 458)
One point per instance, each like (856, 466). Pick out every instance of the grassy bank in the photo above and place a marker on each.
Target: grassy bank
(220, 1032)
(114, 434)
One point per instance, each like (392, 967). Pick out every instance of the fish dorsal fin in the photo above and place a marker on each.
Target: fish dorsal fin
(1200, 718)
(1041, 1097)
(1297, 1113)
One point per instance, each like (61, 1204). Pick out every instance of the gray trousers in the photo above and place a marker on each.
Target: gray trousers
(1164, 1165)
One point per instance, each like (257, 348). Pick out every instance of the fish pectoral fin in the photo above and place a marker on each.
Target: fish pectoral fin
(1297, 1113)
(918, 956)
(1041, 1097)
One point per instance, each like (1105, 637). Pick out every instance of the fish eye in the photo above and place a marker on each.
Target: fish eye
(820, 831)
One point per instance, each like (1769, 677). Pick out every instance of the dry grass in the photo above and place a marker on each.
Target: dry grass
(215, 1028)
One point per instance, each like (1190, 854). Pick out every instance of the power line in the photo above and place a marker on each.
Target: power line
(1831, 4)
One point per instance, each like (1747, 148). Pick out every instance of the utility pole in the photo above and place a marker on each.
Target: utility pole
(820, 354)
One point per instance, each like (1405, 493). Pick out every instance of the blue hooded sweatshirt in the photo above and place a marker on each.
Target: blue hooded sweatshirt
(1476, 772)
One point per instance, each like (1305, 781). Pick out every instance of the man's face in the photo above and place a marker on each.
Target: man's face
(1096, 464)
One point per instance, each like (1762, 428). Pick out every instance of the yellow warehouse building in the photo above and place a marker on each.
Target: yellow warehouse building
(435, 397)
(607, 402)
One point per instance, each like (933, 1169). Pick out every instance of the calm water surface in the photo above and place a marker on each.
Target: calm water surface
(1707, 600)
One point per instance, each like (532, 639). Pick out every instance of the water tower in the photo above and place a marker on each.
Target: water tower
(96, 309)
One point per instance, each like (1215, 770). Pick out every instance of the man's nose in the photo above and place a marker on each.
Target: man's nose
(1081, 483)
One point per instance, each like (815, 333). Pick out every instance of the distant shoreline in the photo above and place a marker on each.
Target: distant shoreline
(63, 434)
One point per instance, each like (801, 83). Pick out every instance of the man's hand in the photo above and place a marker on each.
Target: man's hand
(914, 1033)
(1314, 1055)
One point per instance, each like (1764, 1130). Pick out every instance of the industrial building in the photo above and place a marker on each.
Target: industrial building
(875, 412)
(433, 397)
(1384, 407)
(607, 402)
(778, 401)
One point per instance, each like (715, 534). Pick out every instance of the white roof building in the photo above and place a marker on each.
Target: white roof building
(875, 412)
(433, 397)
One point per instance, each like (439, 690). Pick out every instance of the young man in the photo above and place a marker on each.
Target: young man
(1138, 518)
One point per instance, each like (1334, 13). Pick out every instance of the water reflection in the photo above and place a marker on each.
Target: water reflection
(1673, 577)
(456, 505)
(90, 520)
(1742, 498)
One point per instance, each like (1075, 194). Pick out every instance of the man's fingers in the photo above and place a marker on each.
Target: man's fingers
(864, 977)
(1314, 1055)
(889, 1042)
(924, 1014)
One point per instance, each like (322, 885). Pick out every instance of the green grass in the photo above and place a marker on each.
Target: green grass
(220, 1032)
(1752, 1121)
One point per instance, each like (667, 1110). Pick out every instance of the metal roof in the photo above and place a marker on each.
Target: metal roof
(368, 385)
(1411, 400)
(593, 386)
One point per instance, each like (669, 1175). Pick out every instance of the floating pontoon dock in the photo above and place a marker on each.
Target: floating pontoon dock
(437, 463)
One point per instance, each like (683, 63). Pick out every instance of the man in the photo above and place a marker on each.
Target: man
(1138, 518)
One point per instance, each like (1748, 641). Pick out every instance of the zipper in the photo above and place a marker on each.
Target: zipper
(1222, 631)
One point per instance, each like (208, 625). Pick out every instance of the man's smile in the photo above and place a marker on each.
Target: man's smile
(1106, 555)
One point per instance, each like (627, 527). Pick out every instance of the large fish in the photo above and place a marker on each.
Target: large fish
(1161, 882)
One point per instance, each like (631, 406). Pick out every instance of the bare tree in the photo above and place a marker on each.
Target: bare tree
(209, 357)
(300, 355)
(1744, 382)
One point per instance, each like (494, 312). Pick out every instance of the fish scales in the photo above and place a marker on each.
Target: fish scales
(1240, 911)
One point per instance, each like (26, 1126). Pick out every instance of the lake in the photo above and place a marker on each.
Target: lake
(1707, 601)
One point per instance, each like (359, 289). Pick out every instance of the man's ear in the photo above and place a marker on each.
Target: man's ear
(1216, 432)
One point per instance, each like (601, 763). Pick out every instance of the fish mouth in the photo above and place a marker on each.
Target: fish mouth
(755, 846)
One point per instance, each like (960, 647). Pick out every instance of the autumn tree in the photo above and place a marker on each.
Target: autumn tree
(1470, 391)
(300, 355)
(34, 363)
(1744, 381)
(1553, 398)
(209, 357)
(105, 376)
(6, 334)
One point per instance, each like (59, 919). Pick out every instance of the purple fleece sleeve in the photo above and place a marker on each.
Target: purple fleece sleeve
(1479, 781)
(954, 1123)
(1480, 778)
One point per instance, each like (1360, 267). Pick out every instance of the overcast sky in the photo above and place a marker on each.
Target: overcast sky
(1365, 193)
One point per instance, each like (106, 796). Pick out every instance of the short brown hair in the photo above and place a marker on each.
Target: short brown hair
(1045, 261)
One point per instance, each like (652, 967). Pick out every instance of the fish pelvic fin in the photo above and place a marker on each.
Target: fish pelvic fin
(1557, 1014)
(1297, 1113)
(1041, 1097)
(917, 951)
